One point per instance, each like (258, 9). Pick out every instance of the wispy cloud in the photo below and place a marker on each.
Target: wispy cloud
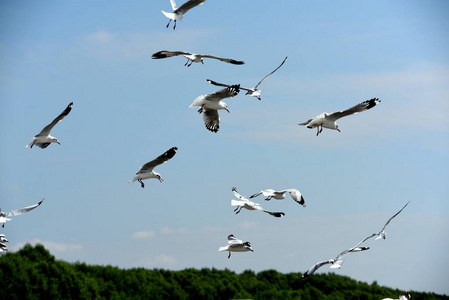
(161, 261)
(142, 235)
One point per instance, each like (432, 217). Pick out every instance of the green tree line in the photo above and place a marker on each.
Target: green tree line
(33, 273)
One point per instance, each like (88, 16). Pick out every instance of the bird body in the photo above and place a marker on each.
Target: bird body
(328, 120)
(236, 245)
(43, 138)
(146, 171)
(178, 13)
(192, 57)
(211, 103)
(17, 212)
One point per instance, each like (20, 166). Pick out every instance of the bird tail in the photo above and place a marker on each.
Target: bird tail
(222, 248)
(171, 16)
(131, 181)
(236, 203)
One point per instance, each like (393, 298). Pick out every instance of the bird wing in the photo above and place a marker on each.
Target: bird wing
(296, 195)
(365, 105)
(211, 119)
(339, 256)
(255, 195)
(306, 122)
(271, 72)
(394, 216)
(173, 5)
(166, 53)
(163, 158)
(58, 119)
(226, 85)
(228, 60)
(232, 240)
(23, 210)
(234, 190)
(274, 214)
(315, 267)
(188, 5)
(227, 92)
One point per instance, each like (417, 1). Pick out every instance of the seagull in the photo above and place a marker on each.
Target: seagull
(236, 245)
(250, 91)
(248, 204)
(43, 138)
(335, 262)
(191, 57)
(17, 212)
(381, 234)
(405, 296)
(280, 195)
(3, 239)
(211, 103)
(178, 13)
(146, 170)
(328, 120)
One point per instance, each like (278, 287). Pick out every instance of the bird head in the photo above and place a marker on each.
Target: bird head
(158, 176)
(55, 140)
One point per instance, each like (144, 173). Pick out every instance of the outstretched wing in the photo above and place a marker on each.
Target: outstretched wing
(271, 72)
(296, 195)
(211, 119)
(23, 210)
(228, 60)
(163, 158)
(274, 214)
(165, 54)
(227, 92)
(315, 267)
(232, 240)
(58, 119)
(394, 216)
(188, 5)
(226, 85)
(234, 190)
(365, 105)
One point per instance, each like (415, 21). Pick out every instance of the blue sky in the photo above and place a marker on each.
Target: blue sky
(128, 109)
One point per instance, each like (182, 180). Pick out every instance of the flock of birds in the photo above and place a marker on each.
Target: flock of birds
(209, 105)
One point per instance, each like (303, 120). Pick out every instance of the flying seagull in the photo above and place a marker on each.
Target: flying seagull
(250, 91)
(335, 262)
(178, 13)
(3, 239)
(146, 171)
(381, 234)
(17, 212)
(236, 245)
(405, 296)
(248, 204)
(211, 103)
(328, 120)
(191, 57)
(43, 138)
(280, 195)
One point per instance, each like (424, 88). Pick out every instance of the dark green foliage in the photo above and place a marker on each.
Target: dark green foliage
(33, 273)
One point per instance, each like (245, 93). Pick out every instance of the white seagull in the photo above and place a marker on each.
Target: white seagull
(280, 195)
(248, 204)
(381, 234)
(43, 138)
(328, 120)
(250, 91)
(146, 171)
(211, 103)
(191, 57)
(3, 239)
(335, 262)
(178, 13)
(236, 245)
(405, 296)
(17, 212)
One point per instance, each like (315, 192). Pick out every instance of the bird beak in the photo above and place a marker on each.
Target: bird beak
(338, 130)
(160, 179)
(58, 143)
(227, 110)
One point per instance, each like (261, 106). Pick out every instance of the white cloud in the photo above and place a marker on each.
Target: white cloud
(161, 261)
(53, 247)
(142, 235)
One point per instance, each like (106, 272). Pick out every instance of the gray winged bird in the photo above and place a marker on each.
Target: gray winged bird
(335, 262)
(17, 212)
(381, 234)
(178, 13)
(43, 138)
(280, 195)
(244, 202)
(236, 245)
(146, 171)
(328, 120)
(250, 91)
(211, 103)
(191, 57)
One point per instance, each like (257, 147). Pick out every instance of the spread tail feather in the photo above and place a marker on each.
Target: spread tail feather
(171, 16)
(222, 248)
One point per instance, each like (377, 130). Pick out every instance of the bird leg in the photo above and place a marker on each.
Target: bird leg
(229, 254)
(240, 208)
(201, 109)
(185, 65)
(141, 183)
(175, 25)
(168, 23)
(268, 198)
(236, 208)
